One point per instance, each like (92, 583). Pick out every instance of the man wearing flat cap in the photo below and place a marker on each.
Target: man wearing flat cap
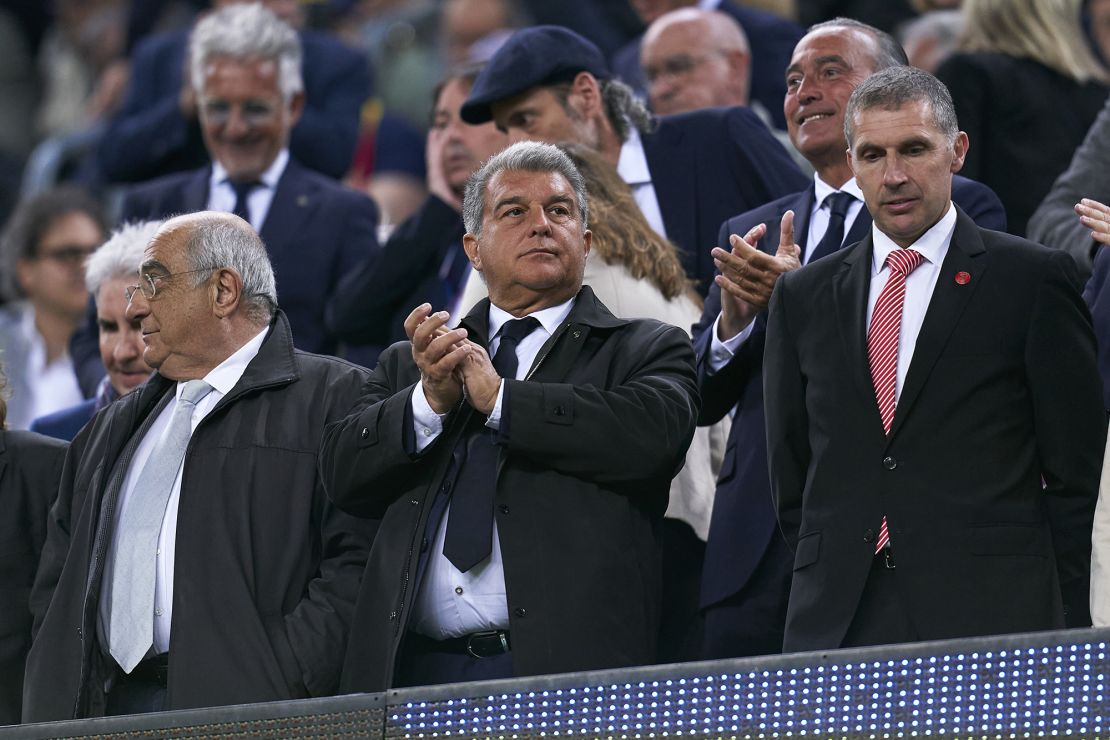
(521, 498)
(688, 172)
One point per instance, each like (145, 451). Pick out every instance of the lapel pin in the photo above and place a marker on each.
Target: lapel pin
(963, 278)
(302, 200)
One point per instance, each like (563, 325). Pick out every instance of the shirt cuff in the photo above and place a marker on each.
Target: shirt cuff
(494, 420)
(427, 424)
(720, 353)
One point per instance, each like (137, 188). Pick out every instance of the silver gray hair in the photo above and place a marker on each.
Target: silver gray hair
(894, 87)
(247, 31)
(524, 156)
(219, 240)
(121, 255)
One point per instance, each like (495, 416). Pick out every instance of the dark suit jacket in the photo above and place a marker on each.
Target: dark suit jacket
(577, 518)
(372, 302)
(1002, 393)
(266, 569)
(1097, 296)
(148, 137)
(743, 516)
(65, 424)
(707, 165)
(1025, 122)
(772, 40)
(30, 466)
(316, 232)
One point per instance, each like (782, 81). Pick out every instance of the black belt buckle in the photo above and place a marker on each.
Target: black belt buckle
(888, 557)
(487, 644)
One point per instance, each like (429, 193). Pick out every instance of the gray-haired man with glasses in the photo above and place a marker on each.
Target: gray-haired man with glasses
(205, 565)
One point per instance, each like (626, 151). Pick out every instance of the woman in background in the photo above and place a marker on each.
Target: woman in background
(1026, 88)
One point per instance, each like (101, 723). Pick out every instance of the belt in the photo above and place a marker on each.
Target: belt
(477, 645)
(154, 670)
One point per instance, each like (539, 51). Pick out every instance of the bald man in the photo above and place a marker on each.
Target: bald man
(695, 59)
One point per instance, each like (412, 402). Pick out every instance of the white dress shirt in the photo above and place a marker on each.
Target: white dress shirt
(53, 385)
(450, 603)
(632, 166)
(933, 245)
(221, 196)
(222, 378)
(720, 352)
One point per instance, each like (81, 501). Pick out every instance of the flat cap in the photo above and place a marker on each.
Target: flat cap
(532, 56)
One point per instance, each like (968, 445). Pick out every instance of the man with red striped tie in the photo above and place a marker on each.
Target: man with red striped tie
(934, 415)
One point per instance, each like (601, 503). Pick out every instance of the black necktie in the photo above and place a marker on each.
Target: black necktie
(469, 537)
(834, 234)
(243, 189)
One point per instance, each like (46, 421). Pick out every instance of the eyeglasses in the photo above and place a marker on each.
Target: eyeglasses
(253, 112)
(676, 67)
(71, 255)
(148, 283)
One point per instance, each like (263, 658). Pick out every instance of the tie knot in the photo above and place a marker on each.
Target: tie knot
(194, 391)
(904, 261)
(243, 188)
(517, 329)
(839, 202)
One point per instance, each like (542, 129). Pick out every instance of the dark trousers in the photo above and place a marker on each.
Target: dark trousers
(680, 624)
(752, 621)
(421, 663)
(881, 617)
(139, 695)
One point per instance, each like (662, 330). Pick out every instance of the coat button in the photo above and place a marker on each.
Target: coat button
(503, 509)
(869, 536)
(415, 502)
(392, 616)
(560, 411)
(446, 487)
(520, 612)
(364, 433)
(890, 463)
(424, 545)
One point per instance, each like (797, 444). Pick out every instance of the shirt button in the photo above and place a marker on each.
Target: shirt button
(427, 432)
(890, 463)
(458, 590)
(157, 612)
(503, 509)
(158, 551)
(521, 612)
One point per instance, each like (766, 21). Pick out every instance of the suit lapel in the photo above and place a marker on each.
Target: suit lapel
(946, 306)
(3, 456)
(195, 197)
(850, 290)
(290, 207)
(861, 227)
(675, 185)
(803, 209)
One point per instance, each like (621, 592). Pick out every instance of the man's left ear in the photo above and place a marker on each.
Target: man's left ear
(296, 108)
(959, 151)
(229, 289)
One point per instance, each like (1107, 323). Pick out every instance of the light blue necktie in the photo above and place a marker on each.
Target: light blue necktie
(131, 629)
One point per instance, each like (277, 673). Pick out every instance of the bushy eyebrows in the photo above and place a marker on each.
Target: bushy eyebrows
(519, 200)
(152, 266)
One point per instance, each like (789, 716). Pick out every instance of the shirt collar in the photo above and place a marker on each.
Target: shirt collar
(549, 318)
(224, 376)
(632, 165)
(932, 245)
(822, 190)
(709, 4)
(269, 178)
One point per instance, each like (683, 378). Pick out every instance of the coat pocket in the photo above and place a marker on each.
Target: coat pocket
(809, 547)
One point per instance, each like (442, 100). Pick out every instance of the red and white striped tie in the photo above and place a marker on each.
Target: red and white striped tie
(882, 344)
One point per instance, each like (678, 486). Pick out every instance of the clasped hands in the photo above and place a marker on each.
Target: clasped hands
(451, 366)
(747, 275)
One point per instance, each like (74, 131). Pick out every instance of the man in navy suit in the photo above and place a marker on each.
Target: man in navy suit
(771, 38)
(109, 272)
(423, 261)
(687, 172)
(250, 99)
(156, 131)
(746, 576)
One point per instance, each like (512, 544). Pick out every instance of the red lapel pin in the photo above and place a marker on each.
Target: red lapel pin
(963, 278)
